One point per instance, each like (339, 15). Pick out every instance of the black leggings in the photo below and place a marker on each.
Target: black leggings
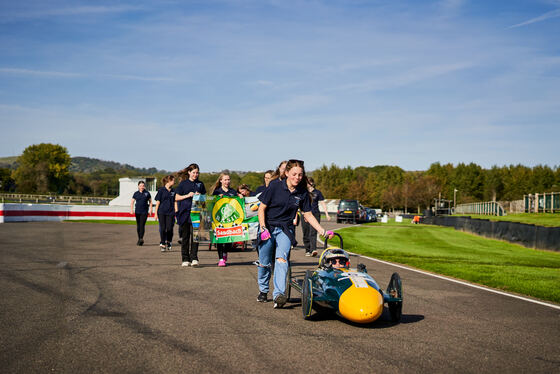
(189, 248)
(141, 219)
(223, 249)
(166, 222)
(310, 234)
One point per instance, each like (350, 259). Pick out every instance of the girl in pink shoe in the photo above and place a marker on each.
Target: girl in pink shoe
(222, 188)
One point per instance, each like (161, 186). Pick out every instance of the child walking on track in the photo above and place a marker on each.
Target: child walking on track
(267, 177)
(221, 188)
(143, 207)
(309, 233)
(279, 205)
(184, 193)
(165, 212)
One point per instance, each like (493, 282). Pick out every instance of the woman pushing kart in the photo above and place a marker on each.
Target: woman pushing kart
(279, 205)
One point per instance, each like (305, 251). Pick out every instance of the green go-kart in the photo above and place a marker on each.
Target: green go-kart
(351, 293)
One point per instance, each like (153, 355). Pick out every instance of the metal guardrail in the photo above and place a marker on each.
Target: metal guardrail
(490, 208)
(54, 199)
(548, 202)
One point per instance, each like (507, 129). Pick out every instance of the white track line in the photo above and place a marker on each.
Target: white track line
(455, 280)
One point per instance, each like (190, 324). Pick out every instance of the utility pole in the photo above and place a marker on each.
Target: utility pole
(454, 198)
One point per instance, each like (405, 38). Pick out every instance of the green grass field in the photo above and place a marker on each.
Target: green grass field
(540, 219)
(443, 250)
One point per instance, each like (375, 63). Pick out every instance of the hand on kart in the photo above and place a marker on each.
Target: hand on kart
(265, 235)
(328, 234)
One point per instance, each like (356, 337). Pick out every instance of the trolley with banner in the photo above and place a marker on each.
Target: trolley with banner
(232, 219)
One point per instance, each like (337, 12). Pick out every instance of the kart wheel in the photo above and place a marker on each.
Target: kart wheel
(362, 268)
(288, 283)
(306, 295)
(394, 289)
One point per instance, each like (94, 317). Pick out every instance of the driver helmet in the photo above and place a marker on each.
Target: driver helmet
(337, 255)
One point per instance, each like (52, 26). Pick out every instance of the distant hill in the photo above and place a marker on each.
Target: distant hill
(8, 162)
(89, 165)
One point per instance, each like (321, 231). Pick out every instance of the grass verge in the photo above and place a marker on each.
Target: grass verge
(539, 219)
(443, 250)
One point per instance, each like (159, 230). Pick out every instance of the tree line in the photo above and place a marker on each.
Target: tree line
(390, 187)
(46, 168)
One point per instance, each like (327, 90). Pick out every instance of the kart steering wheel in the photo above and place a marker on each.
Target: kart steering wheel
(339, 237)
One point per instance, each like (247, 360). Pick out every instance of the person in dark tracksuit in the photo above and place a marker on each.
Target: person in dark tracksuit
(221, 188)
(181, 176)
(165, 212)
(309, 233)
(143, 201)
(184, 193)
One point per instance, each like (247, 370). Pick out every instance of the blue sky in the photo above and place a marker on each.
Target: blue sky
(243, 84)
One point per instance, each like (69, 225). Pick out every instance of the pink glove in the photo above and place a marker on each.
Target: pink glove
(328, 234)
(265, 235)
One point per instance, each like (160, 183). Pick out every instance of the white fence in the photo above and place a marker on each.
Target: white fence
(53, 199)
(490, 208)
(14, 212)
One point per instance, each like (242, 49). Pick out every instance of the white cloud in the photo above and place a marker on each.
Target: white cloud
(81, 10)
(405, 77)
(43, 10)
(452, 5)
(552, 14)
(59, 74)
(49, 74)
(137, 78)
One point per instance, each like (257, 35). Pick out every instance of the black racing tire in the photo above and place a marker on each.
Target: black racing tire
(288, 283)
(394, 289)
(307, 295)
(361, 268)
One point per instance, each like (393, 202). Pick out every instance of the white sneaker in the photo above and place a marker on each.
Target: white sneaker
(186, 263)
(195, 263)
(162, 247)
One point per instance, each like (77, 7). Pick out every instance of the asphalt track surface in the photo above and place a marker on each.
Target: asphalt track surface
(83, 298)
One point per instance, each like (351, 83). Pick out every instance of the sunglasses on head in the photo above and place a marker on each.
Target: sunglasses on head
(341, 261)
(295, 161)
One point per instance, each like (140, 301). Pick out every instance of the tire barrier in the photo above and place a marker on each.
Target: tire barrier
(527, 235)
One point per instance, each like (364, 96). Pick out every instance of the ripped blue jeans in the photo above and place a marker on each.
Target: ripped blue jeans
(278, 246)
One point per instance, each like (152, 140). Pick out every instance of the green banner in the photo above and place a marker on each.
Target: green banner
(233, 219)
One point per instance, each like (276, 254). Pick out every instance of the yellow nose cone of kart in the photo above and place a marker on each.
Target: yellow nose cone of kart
(361, 305)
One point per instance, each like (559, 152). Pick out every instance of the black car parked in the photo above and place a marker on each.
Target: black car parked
(348, 211)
